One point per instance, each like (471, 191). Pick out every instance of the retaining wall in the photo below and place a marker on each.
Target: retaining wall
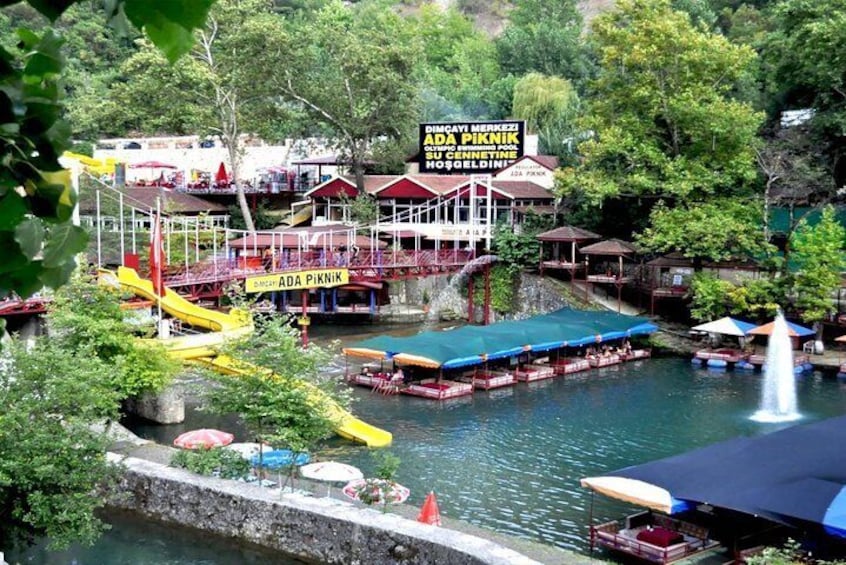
(312, 528)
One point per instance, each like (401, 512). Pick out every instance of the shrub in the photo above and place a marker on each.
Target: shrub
(223, 463)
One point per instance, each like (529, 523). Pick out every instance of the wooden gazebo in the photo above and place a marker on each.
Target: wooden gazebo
(609, 248)
(565, 234)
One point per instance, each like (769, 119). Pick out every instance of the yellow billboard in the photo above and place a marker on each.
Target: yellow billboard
(322, 278)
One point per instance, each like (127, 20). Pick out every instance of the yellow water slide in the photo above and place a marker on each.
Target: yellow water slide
(203, 347)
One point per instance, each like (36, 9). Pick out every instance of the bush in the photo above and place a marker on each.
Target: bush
(223, 463)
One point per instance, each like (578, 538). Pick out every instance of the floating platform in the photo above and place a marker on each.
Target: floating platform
(530, 373)
(438, 390)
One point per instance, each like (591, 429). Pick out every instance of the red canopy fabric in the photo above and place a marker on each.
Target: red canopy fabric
(203, 439)
(221, 177)
(152, 165)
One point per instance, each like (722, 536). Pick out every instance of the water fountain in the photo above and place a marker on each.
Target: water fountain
(450, 297)
(778, 396)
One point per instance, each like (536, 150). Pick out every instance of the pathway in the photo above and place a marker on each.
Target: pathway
(598, 296)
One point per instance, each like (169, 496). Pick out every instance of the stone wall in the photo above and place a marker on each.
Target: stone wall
(164, 407)
(312, 528)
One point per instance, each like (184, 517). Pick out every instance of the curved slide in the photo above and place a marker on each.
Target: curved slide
(202, 347)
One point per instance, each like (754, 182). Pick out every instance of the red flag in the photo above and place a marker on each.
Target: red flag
(157, 258)
(430, 514)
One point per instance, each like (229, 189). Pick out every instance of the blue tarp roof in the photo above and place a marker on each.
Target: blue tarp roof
(470, 345)
(790, 476)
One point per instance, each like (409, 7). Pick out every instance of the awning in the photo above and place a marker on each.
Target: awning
(793, 476)
(473, 345)
(636, 492)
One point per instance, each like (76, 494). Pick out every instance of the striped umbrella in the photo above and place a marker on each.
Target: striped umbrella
(205, 439)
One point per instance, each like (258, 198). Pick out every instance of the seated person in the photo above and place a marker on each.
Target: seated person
(365, 371)
(398, 375)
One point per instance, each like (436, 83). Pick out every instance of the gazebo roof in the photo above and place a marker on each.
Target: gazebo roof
(610, 247)
(567, 233)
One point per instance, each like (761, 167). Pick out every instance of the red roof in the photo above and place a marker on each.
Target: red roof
(405, 187)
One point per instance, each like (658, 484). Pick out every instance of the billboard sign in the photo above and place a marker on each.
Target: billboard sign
(323, 278)
(465, 148)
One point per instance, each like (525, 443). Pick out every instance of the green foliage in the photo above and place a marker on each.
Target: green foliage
(204, 241)
(663, 118)
(550, 106)
(387, 464)
(270, 396)
(36, 196)
(503, 288)
(345, 45)
(218, 462)
(544, 37)
(518, 250)
(818, 254)
(719, 230)
(51, 460)
(803, 58)
(86, 317)
(709, 297)
(364, 209)
(757, 298)
(262, 219)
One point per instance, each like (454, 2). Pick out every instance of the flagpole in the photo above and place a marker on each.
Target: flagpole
(159, 266)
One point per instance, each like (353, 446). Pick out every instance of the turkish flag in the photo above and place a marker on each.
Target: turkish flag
(157, 258)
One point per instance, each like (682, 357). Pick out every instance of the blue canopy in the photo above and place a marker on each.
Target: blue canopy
(794, 476)
(472, 345)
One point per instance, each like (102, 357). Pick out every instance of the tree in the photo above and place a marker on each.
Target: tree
(545, 37)
(663, 119)
(51, 460)
(86, 317)
(804, 52)
(341, 69)
(715, 231)
(274, 392)
(36, 196)
(819, 258)
(550, 106)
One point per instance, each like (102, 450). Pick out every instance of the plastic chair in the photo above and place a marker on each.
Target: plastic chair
(808, 346)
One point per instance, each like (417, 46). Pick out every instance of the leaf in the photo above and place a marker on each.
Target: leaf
(169, 24)
(64, 241)
(12, 210)
(52, 9)
(30, 235)
(55, 277)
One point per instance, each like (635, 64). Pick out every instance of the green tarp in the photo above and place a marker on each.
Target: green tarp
(470, 345)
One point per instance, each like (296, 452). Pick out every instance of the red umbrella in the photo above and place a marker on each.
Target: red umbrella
(221, 177)
(203, 439)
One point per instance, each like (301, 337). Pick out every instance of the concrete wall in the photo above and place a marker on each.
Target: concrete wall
(313, 528)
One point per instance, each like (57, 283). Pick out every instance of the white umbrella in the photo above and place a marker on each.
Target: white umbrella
(725, 326)
(248, 449)
(331, 472)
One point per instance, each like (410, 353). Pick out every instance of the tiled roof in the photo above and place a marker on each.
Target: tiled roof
(567, 233)
(610, 247)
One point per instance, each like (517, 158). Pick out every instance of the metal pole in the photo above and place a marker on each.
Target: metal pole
(99, 240)
(122, 250)
(489, 211)
(133, 230)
